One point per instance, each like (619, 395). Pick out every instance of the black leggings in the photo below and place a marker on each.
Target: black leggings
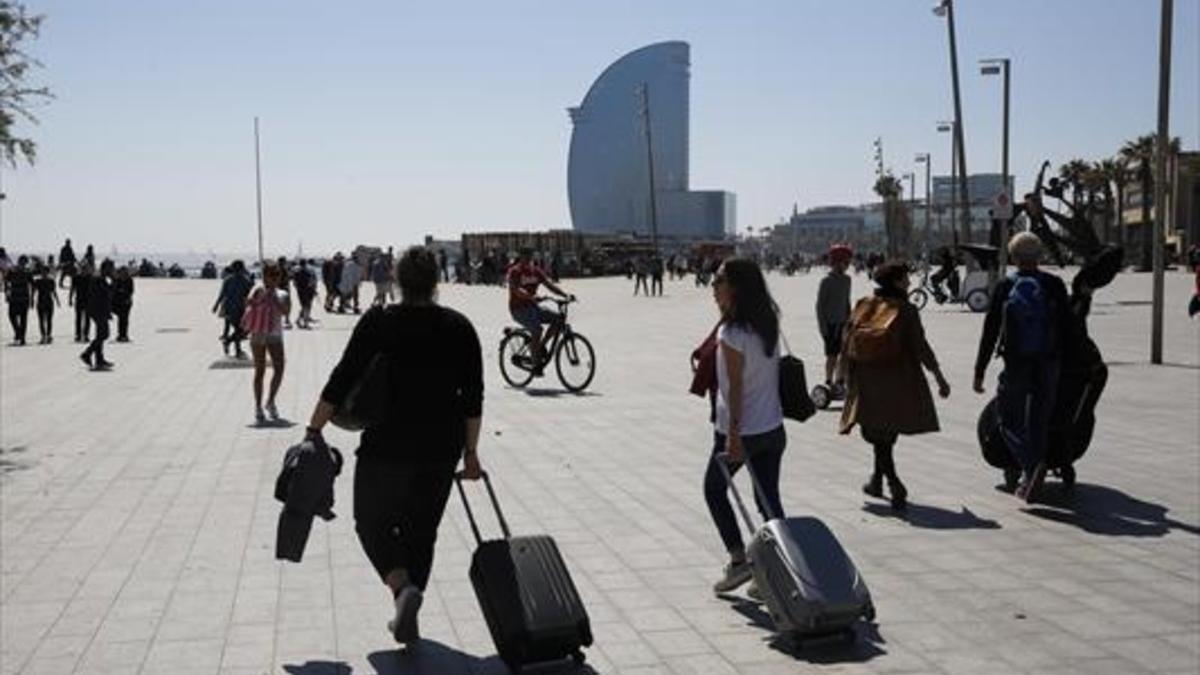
(122, 322)
(397, 509)
(83, 323)
(883, 443)
(18, 316)
(46, 320)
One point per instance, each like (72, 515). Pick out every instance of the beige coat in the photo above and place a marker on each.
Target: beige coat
(893, 397)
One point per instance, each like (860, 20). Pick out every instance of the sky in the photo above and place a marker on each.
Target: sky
(384, 121)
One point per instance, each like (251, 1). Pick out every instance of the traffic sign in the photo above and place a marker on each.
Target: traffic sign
(1002, 207)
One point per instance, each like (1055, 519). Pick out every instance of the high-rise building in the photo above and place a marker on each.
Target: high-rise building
(611, 155)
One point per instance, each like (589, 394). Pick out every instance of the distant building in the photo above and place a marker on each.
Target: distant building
(982, 188)
(608, 169)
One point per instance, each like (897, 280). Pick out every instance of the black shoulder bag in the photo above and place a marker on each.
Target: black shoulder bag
(793, 386)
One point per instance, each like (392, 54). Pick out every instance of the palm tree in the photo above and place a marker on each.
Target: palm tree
(1104, 173)
(889, 188)
(1074, 174)
(1140, 153)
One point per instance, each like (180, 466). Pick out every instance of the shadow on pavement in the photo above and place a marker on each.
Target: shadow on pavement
(933, 517)
(430, 657)
(821, 649)
(555, 393)
(231, 363)
(280, 423)
(1108, 511)
(1187, 366)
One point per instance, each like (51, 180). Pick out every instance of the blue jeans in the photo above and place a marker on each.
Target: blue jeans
(1026, 393)
(765, 452)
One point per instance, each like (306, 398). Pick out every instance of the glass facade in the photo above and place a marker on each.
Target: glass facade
(608, 170)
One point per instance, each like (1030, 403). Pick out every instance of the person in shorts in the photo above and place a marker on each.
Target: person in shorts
(833, 306)
(524, 279)
(263, 320)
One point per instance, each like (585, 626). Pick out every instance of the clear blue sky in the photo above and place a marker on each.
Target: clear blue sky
(384, 121)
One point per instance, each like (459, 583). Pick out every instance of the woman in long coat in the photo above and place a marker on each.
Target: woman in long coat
(883, 351)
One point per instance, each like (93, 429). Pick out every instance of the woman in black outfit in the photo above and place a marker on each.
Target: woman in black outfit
(122, 302)
(406, 464)
(46, 292)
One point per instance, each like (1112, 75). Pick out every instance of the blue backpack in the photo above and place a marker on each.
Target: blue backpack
(1028, 328)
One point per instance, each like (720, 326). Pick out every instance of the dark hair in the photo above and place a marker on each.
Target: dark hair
(889, 273)
(753, 306)
(417, 273)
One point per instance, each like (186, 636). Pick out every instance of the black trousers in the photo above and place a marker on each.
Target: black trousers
(46, 320)
(18, 316)
(83, 322)
(95, 350)
(397, 509)
(122, 322)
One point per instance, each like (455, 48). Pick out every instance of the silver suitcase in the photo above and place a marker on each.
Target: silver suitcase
(807, 580)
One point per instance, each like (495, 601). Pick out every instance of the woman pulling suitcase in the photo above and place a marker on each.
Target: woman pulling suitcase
(749, 417)
(406, 461)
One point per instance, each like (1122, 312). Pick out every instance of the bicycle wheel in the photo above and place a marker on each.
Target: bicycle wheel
(918, 298)
(516, 359)
(978, 300)
(575, 362)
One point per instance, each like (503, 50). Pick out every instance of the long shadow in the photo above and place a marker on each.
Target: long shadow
(280, 423)
(539, 392)
(933, 517)
(818, 649)
(1107, 511)
(430, 657)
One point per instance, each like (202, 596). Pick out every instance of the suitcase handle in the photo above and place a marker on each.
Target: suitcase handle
(737, 497)
(495, 504)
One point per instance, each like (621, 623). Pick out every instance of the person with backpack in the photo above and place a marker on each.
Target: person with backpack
(749, 415)
(883, 351)
(407, 459)
(1027, 320)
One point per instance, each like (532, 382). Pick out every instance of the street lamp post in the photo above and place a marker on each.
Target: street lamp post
(911, 177)
(946, 9)
(925, 159)
(1160, 178)
(950, 127)
(998, 67)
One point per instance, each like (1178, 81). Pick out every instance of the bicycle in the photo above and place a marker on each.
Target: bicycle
(573, 356)
(973, 292)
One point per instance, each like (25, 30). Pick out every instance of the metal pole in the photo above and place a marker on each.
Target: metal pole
(258, 191)
(928, 206)
(645, 89)
(953, 186)
(1160, 179)
(958, 127)
(997, 237)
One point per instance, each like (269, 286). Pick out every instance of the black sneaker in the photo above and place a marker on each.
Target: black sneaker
(874, 486)
(86, 358)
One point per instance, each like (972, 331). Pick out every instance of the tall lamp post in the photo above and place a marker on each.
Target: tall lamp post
(1160, 178)
(911, 177)
(945, 9)
(1001, 67)
(945, 127)
(258, 191)
(925, 159)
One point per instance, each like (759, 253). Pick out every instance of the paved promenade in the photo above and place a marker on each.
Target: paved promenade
(137, 520)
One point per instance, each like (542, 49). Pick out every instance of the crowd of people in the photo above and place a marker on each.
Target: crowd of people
(876, 352)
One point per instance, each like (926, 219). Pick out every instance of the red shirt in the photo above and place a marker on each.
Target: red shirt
(527, 277)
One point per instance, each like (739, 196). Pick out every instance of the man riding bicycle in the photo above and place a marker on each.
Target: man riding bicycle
(947, 272)
(524, 278)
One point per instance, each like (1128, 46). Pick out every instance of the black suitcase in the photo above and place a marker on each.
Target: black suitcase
(532, 608)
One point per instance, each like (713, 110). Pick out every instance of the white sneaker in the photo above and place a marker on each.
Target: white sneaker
(736, 574)
(404, 626)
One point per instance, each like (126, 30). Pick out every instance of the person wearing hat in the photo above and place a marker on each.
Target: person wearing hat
(1027, 320)
(833, 306)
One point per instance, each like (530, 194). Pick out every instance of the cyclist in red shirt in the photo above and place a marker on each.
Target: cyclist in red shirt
(524, 278)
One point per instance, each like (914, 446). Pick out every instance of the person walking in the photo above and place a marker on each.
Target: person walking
(1027, 322)
(833, 306)
(122, 301)
(46, 297)
(66, 263)
(887, 395)
(639, 272)
(348, 283)
(17, 292)
(656, 275)
(263, 321)
(231, 304)
(406, 460)
(81, 284)
(306, 291)
(331, 274)
(99, 310)
(379, 276)
(748, 425)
